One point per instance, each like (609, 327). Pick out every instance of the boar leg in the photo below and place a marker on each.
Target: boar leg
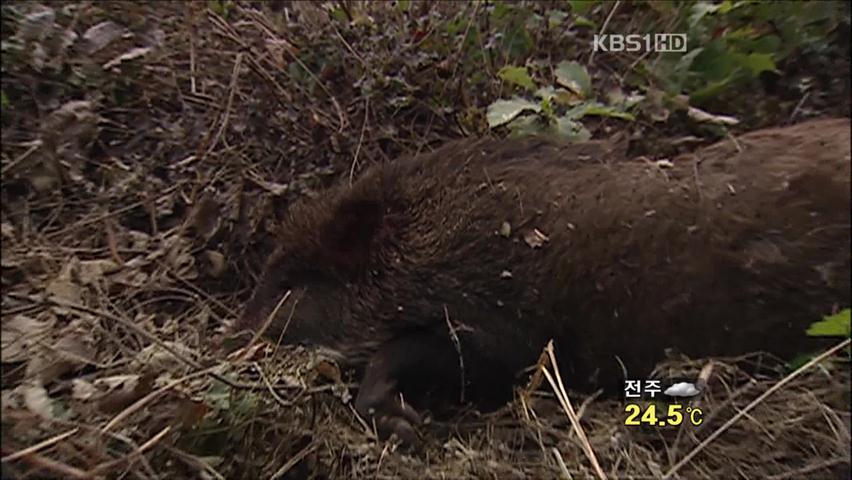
(410, 365)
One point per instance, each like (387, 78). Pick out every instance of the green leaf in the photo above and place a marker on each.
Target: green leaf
(503, 111)
(526, 126)
(708, 91)
(221, 7)
(715, 62)
(517, 76)
(799, 360)
(663, 7)
(533, 22)
(685, 62)
(569, 129)
(757, 62)
(4, 100)
(339, 15)
(555, 18)
(832, 326)
(560, 96)
(545, 93)
(574, 76)
(219, 395)
(726, 7)
(581, 21)
(700, 10)
(599, 109)
(581, 7)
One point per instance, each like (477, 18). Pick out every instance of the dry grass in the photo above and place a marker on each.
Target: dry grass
(141, 181)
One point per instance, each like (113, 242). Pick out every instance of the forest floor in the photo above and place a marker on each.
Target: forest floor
(150, 149)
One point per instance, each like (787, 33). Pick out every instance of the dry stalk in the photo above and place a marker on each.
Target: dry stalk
(562, 396)
(754, 403)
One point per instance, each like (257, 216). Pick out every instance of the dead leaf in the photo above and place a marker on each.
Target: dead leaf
(7, 230)
(91, 272)
(114, 382)
(701, 116)
(82, 389)
(277, 47)
(126, 393)
(654, 107)
(37, 400)
(205, 217)
(130, 55)
(276, 189)
(138, 240)
(37, 25)
(535, 239)
(214, 263)
(19, 335)
(156, 358)
(72, 120)
(71, 352)
(235, 345)
(189, 412)
(179, 257)
(99, 36)
(43, 179)
(328, 371)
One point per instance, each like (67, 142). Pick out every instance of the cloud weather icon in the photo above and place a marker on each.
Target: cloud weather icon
(682, 389)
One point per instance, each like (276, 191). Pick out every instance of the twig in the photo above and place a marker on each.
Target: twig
(562, 467)
(341, 118)
(66, 471)
(222, 28)
(753, 404)
(129, 325)
(232, 88)
(138, 404)
(34, 145)
(293, 461)
(562, 396)
(696, 177)
(259, 333)
(114, 213)
(708, 419)
(458, 62)
(190, 8)
(734, 141)
(281, 401)
(367, 428)
(801, 472)
(588, 401)
(603, 28)
(457, 344)
(360, 139)
(39, 446)
(132, 457)
(351, 50)
(193, 461)
(798, 107)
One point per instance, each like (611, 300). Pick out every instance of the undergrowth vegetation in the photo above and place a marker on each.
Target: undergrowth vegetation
(150, 150)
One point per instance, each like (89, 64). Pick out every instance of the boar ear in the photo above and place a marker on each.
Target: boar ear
(354, 225)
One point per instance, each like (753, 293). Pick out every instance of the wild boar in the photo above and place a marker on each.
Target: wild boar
(447, 273)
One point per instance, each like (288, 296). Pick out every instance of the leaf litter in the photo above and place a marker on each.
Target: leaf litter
(149, 152)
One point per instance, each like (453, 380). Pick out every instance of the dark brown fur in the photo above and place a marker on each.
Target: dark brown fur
(724, 253)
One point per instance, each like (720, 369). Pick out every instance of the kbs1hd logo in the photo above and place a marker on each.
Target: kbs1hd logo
(634, 42)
